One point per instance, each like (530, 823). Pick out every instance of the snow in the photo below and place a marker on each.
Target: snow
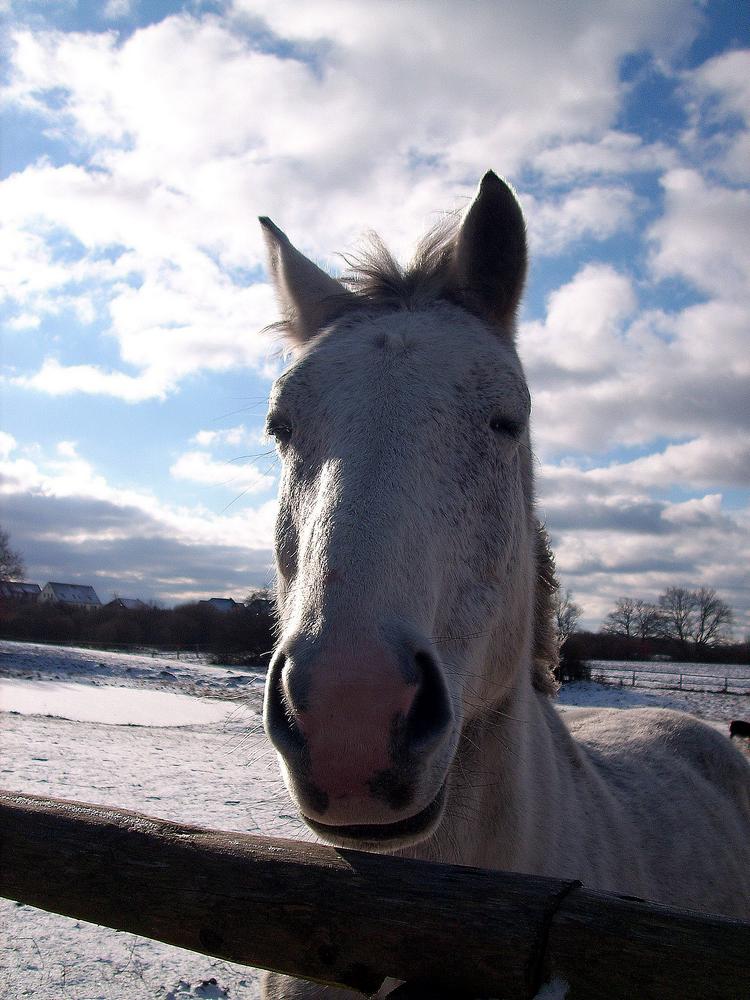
(716, 709)
(114, 706)
(178, 739)
(219, 773)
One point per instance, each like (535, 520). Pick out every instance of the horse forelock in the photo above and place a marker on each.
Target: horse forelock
(375, 282)
(380, 282)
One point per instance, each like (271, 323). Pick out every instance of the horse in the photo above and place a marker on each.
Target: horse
(410, 695)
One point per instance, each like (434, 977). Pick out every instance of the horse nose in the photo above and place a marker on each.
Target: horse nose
(346, 721)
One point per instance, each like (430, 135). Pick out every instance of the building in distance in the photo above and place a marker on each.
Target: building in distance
(14, 590)
(75, 594)
(129, 603)
(222, 604)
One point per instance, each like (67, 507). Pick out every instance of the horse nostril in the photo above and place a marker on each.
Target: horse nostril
(430, 713)
(280, 723)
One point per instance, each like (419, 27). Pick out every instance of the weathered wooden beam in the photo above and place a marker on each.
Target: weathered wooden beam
(352, 918)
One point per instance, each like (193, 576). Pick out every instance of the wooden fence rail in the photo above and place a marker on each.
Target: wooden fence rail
(351, 918)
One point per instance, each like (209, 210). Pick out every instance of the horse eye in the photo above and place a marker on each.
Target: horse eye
(280, 429)
(504, 425)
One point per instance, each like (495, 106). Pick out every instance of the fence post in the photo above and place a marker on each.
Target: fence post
(633, 684)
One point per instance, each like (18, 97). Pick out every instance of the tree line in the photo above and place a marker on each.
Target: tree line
(681, 624)
(242, 636)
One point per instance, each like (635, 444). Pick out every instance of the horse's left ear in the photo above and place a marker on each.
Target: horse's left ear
(488, 269)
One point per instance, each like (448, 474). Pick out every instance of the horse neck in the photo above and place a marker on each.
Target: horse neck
(504, 783)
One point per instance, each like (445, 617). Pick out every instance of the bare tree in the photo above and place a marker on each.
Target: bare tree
(698, 617)
(567, 616)
(622, 621)
(677, 608)
(647, 620)
(11, 562)
(633, 618)
(713, 616)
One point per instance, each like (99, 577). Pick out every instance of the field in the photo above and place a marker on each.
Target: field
(181, 740)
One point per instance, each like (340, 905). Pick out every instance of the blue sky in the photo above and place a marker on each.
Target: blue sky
(142, 140)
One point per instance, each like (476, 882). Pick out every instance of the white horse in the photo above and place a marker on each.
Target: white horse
(409, 696)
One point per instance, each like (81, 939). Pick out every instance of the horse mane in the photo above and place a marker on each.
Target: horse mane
(545, 652)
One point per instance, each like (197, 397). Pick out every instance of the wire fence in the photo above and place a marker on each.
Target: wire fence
(671, 680)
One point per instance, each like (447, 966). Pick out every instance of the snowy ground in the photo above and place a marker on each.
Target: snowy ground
(218, 773)
(179, 740)
(716, 709)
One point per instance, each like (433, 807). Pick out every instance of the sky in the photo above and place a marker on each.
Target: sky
(140, 142)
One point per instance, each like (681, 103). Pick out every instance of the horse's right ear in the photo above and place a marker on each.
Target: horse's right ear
(309, 298)
(488, 268)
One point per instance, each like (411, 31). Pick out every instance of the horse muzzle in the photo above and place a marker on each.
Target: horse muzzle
(365, 733)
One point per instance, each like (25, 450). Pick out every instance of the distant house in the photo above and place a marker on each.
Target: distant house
(29, 593)
(76, 594)
(129, 603)
(222, 604)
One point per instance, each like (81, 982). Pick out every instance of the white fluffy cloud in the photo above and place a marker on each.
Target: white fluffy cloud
(703, 235)
(613, 538)
(603, 373)
(613, 153)
(187, 130)
(595, 212)
(202, 467)
(583, 331)
(720, 123)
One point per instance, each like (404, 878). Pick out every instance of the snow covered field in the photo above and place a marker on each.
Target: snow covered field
(176, 739)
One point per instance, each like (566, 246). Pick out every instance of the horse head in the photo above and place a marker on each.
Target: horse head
(406, 541)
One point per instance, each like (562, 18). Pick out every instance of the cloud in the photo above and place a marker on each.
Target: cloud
(604, 373)
(616, 534)
(240, 434)
(711, 460)
(702, 235)
(60, 380)
(7, 444)
(609, 544)
(718, 95)
(584, 326)
(120, 549)
(593, 212)
(70, 523)
(116, 9)
(372, 119)
(201, 467)
(612, 153)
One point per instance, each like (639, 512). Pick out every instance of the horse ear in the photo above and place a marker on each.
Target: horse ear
(309, 298)
(488, 268)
